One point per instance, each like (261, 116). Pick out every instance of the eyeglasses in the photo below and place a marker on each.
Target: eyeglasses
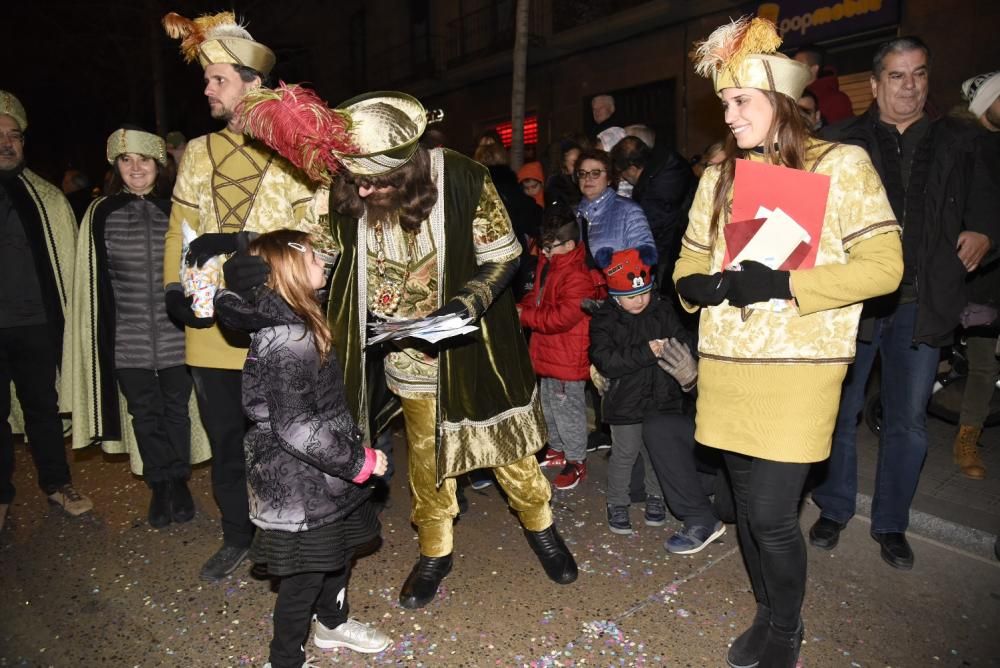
(548, 248)
(583, 174)
(13, 137)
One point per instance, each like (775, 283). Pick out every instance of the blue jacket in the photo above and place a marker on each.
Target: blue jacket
(614, 222)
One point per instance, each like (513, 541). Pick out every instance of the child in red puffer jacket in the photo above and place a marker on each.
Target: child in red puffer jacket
(559, 342)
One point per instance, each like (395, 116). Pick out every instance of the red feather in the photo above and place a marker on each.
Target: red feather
(298, 125)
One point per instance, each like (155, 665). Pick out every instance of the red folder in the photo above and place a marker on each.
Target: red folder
(800, 194)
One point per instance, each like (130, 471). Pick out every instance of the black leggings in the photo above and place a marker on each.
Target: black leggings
(767, 497)
(298, 596)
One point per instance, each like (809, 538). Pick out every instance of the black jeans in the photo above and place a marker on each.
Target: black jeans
(669, 440)
(27, 359)
(220, 402)
(298, 595)
(767, 520)
(158, 404)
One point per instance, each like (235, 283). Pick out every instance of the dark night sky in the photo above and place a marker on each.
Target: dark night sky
(82, 68)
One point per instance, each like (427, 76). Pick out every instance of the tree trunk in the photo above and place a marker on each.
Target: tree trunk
(519, 83)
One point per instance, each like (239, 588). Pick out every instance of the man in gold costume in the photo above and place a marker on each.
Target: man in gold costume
(424, 232)
(227, 184)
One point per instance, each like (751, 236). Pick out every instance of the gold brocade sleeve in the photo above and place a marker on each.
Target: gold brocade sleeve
(497, 252)
(184, 207)
(868, 233)
(858, 197)
(696, 245)
(492, 232)
(875, 268)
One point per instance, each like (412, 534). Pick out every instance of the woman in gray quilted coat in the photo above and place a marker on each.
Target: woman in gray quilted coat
(306, 462)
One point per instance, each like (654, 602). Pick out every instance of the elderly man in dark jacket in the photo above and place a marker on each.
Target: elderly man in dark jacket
(663, 185)
(941, 193)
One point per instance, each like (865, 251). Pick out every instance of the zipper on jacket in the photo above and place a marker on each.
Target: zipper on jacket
(150, 288)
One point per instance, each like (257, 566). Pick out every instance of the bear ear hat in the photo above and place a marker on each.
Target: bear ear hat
(647, 254)
(603, 257)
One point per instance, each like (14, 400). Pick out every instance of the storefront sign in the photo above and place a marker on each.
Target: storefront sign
(808, 21)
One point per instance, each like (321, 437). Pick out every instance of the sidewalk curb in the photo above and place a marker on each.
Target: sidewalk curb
(944, 533)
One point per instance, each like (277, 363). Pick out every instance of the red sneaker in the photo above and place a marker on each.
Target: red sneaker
(553, 460)
(571, 475)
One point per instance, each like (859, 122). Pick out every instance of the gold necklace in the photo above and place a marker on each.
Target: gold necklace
(386, 297)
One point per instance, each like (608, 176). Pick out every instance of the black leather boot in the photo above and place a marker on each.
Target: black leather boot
(422, 583)
(556, 559)
(746, 650)
(181, 503)
(781, 649)
(159, 505)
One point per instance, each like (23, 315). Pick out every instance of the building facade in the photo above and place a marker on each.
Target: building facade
(456, 55)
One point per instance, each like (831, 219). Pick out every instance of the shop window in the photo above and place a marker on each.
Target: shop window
(506, 131)
(858, 87)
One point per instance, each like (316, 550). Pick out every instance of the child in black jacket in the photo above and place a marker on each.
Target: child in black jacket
(639, 345)
(307, 463)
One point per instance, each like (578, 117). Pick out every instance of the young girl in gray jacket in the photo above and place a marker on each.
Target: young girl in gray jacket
(306, 460)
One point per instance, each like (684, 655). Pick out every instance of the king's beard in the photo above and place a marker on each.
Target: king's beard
(383, 207)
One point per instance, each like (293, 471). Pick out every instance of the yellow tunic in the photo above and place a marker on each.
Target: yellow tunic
(769, 384)
(226, 182)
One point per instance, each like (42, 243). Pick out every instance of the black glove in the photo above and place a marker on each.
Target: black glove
(704, 289)
(245, 273)
(453, 307)
(590, 306)
(756, 283)
(179, 308)
(207, 246)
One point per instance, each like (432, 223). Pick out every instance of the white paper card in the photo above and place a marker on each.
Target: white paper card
(776, 239)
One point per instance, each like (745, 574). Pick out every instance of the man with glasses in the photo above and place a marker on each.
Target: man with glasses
(37, 248)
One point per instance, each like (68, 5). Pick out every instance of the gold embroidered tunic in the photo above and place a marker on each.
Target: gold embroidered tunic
(411, 263)
(769, 384)
(227, 182)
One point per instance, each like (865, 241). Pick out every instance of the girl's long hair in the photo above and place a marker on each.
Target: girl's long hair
(290, 278)
(786, 145)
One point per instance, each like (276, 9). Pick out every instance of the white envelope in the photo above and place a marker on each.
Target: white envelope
(775, 241)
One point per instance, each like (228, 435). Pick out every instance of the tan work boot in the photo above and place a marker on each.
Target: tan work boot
(966, 455)
(70, 500)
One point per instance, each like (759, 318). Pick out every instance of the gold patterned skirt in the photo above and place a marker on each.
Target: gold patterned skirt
(781, 412)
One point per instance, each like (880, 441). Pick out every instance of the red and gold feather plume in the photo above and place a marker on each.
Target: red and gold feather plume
(299, 126)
